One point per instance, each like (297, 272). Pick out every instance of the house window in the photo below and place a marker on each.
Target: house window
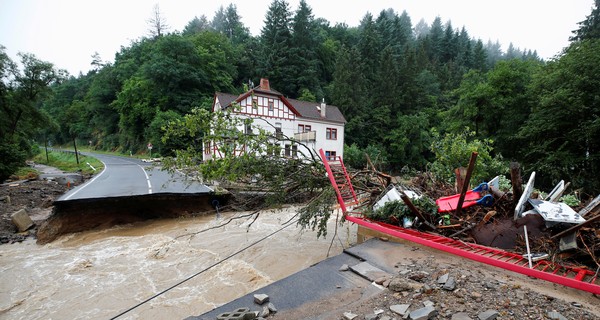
(330, 155)
(207, 147)
(248, 128)
(304, 128)
(288, 150)
(255, 102)
(271, 105)
(331, 134)
(278, 131)
(295, 151)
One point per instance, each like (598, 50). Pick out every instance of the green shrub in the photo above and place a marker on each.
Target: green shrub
(394, 211)
(454, 150)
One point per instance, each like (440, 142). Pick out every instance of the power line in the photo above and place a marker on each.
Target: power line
(206, 269)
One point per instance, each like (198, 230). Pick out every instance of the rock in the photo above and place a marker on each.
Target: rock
(450, 284)
(398, 284)
(428, 303)
(400, 309)
(371, 317)
(418, 276)
(261, 298)
(378, 311)
(443, 278)
(423, 313)
(380, 280)
(461, 316)
(265, 312)
(349, 315)
(386, 283)
(385, 318)
(344, 267)
(488, 315)
(271, 307)
(5, 199)
(427, 289)
(556, 316)
(476, 295)
(22, 220)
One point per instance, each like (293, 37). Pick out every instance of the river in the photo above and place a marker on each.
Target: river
(99, 274)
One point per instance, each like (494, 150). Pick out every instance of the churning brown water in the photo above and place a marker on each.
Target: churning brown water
(99, 274)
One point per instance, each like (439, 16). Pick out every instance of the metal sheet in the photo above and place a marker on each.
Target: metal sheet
(526, 194)
(556, 212)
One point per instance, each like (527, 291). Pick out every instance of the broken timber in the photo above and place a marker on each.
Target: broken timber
(574, 277)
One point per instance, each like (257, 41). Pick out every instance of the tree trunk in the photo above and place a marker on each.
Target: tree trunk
(515, 180)
(465, 186)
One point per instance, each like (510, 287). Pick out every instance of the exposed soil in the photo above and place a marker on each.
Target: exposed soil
(35, 197)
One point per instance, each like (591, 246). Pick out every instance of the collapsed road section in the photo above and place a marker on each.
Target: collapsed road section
(78, 215)
(127, 190)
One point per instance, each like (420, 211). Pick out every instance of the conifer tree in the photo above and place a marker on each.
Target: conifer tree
(275, 40)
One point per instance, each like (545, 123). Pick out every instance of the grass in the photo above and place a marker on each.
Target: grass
(66, 161)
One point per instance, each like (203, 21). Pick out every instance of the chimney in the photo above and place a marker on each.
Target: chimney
(264, 84)
(323, 109)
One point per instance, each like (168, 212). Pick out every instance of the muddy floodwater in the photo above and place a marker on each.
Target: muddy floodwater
(99, 274)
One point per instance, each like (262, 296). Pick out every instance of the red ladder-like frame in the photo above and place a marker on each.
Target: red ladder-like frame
(574, 277)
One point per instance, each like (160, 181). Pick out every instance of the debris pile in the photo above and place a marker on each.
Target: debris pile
(517, 219)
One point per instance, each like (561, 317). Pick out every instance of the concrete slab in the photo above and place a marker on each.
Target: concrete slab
(368, 271)
(320, 281)
(22, 220)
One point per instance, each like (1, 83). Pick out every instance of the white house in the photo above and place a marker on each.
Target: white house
(314, 125)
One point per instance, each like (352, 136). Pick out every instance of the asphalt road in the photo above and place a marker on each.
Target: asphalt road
(124, 176)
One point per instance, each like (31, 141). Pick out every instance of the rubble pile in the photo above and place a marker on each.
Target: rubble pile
(518, 219)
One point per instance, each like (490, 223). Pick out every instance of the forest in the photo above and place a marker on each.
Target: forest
(411, 92)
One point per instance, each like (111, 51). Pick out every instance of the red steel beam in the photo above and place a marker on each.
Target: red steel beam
(523, 269)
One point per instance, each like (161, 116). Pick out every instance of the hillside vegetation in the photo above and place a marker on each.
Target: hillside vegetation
(402, 86)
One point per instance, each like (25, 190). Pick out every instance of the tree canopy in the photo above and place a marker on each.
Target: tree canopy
(395, 83)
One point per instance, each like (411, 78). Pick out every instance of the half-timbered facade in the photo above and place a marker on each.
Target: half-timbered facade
(306, 124)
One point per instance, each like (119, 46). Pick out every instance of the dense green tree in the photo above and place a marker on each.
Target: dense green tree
(21, 93)
(196, 25)
(275, 61)
(495, 105)
(409, 140)
(590, 27)
(563, 132)
(388, 78)
(369, 47)
(479, 57)
(303, 50)
(228, 22)
(403, 30)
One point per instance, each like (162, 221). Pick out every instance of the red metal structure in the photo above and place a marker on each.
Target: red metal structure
(574, 277)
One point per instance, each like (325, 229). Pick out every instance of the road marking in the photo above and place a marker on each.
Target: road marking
(89, 182)
(147, 179)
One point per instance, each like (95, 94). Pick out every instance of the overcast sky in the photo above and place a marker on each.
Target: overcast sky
(68, 32)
